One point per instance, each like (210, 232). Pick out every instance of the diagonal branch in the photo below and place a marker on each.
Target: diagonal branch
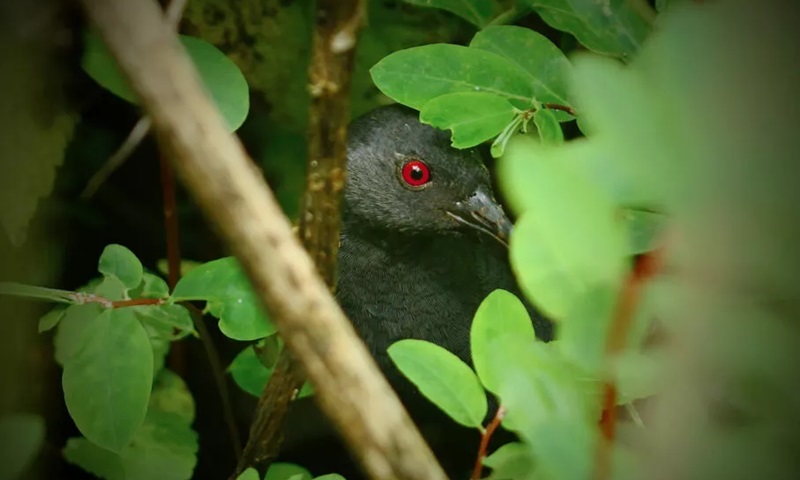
(233, 194)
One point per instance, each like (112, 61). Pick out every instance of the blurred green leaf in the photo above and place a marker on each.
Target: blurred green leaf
(22, 436)
(286, 471)
(643, 229)
(416, 75)
(548, 127)
(613, 27)
(443, 378)
(547, 67)
(220, 75)
(473, 117)
(500, 314)
(476, 12)
(118, 261)
(638, 376)
(107, 382)
(249, 474)
(568, 239)
(229, 296)
(171, 395)
(512, 461)
(582, 334)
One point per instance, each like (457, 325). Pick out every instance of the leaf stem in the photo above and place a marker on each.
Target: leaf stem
(563, 108)
(486, 435)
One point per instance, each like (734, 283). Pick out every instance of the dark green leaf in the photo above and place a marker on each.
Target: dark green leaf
(117, 261)
(473, 117)
(170, 316)
(51, 319)
(221, 76)
(229, 296)
(268, 350)
(613, 27)
(500, 314)
(21, 435)
(568, 239)
(107, 383)
(548, 127)
(248, 372)
(165, 447)
(477, 12)
(512, 461)
(443, 378)
(547, 67)
(70, 336)
(286, 471)
(98, 461)
(417, 75)
(152, 286)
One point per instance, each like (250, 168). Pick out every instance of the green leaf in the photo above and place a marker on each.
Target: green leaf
(50, 319)
(268, 350)
(500, 314)
(169, 316)
(442, 378)
(221, 77)
(229, 296)
(612, 28)
(567, 239)
(512, 461)
(563, 447)
(171, 395)
(286, 471)
(70, 336)
(643, 229)
(473, 117)
(548, 127)
(638, 376)
(547, 68)
(476, 12)
(98, 461)
(152, 286)
(248, 372)
(107, 383)
(249, 474)
(117, 261)
(330, 476)
(417, 75)
(22, 435)
(582, 335)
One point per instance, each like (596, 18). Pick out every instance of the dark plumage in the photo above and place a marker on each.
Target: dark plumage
(416, 261)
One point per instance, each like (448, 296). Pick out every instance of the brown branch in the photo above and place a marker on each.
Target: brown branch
(646, 266)
(330, 70)
(486, 435)
(232, 192)
(563, 108)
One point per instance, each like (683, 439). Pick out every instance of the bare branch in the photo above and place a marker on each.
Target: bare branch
(232, 192)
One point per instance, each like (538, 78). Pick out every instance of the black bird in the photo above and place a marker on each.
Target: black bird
(423, 243)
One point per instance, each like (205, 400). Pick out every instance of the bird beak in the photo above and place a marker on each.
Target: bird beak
(483, 213)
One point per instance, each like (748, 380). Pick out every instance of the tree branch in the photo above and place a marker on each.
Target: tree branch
(330, 70)
(232, 192)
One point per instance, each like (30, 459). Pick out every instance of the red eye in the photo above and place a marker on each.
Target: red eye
(415, 173)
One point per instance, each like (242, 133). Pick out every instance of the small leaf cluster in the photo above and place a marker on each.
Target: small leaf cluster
(286, 471)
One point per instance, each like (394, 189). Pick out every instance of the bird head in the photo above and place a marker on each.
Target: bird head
(404, 177)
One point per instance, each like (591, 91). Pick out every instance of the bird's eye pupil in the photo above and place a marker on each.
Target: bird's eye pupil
(415, 173)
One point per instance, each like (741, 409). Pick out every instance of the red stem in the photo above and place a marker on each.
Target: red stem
(563, 108)
(136, 301)
(486, 435)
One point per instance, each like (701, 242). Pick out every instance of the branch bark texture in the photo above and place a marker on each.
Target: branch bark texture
(233, 194)
(329, 73)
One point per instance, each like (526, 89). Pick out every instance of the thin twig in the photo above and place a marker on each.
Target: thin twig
(646, 266)
(563, 108)
(230, 190)
(486, 435)
(335, 35)
(173, 13)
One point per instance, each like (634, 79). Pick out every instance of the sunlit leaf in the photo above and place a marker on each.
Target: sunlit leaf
(500, 314)
(473, 117)
(416, 75)
(443, 378)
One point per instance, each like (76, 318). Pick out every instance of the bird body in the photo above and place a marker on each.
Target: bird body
(423, 243)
